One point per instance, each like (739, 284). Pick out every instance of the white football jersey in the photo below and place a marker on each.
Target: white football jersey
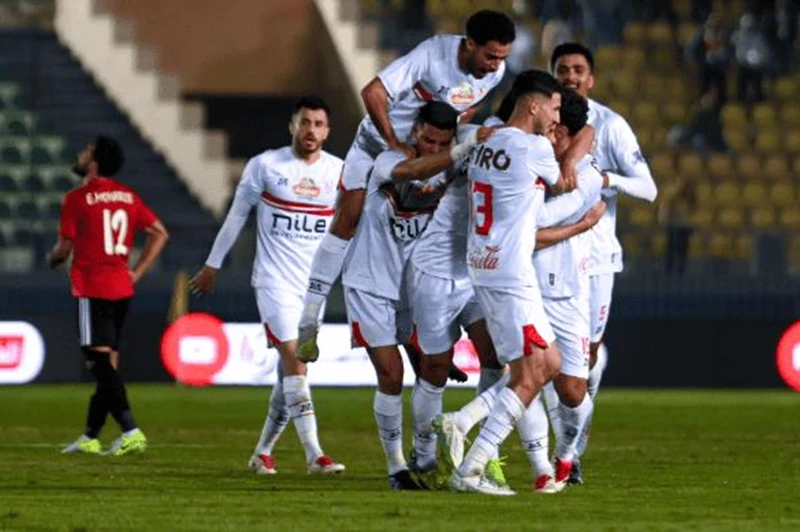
(395, 215)
(563, 269)
(507, 176)
(295, 204)
(616, 150)
(428, 72)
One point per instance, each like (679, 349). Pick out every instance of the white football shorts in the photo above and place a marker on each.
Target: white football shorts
(516, 319)
(439, 309)
(569, 318)
(601, 287)
(357, 164)
(280, 312)
(376, 321)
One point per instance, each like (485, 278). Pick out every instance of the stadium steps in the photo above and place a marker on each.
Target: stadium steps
(68, 103)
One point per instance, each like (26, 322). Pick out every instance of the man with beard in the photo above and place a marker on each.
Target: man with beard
(294, 189)
(98, 220)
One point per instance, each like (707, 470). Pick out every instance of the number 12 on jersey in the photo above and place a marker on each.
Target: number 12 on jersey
(481, 201)
(115, 229)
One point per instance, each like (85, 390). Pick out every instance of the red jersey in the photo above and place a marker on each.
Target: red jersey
(100, 218)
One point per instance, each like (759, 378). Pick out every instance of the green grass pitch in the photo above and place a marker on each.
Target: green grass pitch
(658, 460)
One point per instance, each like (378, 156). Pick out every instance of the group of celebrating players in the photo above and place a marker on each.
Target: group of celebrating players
(506, 230)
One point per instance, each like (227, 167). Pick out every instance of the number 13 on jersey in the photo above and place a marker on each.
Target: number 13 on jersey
(481, 207)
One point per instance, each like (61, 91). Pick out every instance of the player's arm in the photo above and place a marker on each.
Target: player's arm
(550, 236)
(156, 237)
(246, 196)
(376, 100)
(429, 165)
(60, 252)
(581, 145)
(67, 232)
(634, 178)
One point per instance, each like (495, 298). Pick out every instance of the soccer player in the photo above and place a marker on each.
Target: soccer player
(294, 192)
(562, 268)
(402, 194)
(457, 70)
(98, 219)
(625, 171)
(507, 177)
(442, 302)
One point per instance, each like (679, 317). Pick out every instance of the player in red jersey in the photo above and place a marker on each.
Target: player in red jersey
(98, 219)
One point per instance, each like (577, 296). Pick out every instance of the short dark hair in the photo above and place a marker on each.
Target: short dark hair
(574, 110)
(506, 107)
(108, 155)
(487, 25)
(313, 102)
(535, 82)
(570, 48)
(438, 114)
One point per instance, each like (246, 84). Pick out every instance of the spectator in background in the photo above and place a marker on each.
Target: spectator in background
(710, 49)
(782, 24)
(674, 213)
(602, 22)
(752, 55)
(524, 47)
(558, 29)
(703, 132)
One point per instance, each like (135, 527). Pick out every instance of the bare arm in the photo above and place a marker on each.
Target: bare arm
(429, 165)
(154, 243)
(60, 252)
(550, 236)
(581, 145)
(376, 100)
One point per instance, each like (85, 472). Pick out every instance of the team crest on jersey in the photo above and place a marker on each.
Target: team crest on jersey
(462, 95)
(306, 188)
(485, 260)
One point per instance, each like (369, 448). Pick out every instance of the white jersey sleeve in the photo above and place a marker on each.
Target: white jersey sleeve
(247, 195)
(541, 161)
(401, 74)
(385, 164)
(631, 174)
(556, 210)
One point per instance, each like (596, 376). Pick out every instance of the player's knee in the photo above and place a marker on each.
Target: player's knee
(435, 368)
(571, 390)
(390, 379)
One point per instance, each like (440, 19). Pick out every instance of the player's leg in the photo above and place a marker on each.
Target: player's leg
(533, 429)
(373, 324)
(280, 310)
(111, 320)
(327, 263)
(510, 316)
(262, 462)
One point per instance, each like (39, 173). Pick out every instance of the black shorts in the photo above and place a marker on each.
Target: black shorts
(100, 321)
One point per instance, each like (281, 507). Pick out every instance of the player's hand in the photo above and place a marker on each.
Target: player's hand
(594, 214)
(485, 132)
(135, 276)
(570, 175)
(203, 282)
(55, 261)
(407, 149)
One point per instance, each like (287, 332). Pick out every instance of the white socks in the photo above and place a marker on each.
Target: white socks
(297, 396)
(533, 430)
(507, 409)
(426, 404)
(325, 268)
(478, 409)
(573, 420)
(389, 418)
(595, 376)
(277, 419)
(488, 378)
(553, 405)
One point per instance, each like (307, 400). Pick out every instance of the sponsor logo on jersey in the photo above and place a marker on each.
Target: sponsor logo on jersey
(283, 181)
(306, 188)
(485, 260)
(462, 95)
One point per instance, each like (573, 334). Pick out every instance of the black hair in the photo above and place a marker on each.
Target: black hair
(535, 81)
(439, 114)
(487, 25)
(507, 106)
(313, 102)
(570, 48)
(574, 110)
(108, 155)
